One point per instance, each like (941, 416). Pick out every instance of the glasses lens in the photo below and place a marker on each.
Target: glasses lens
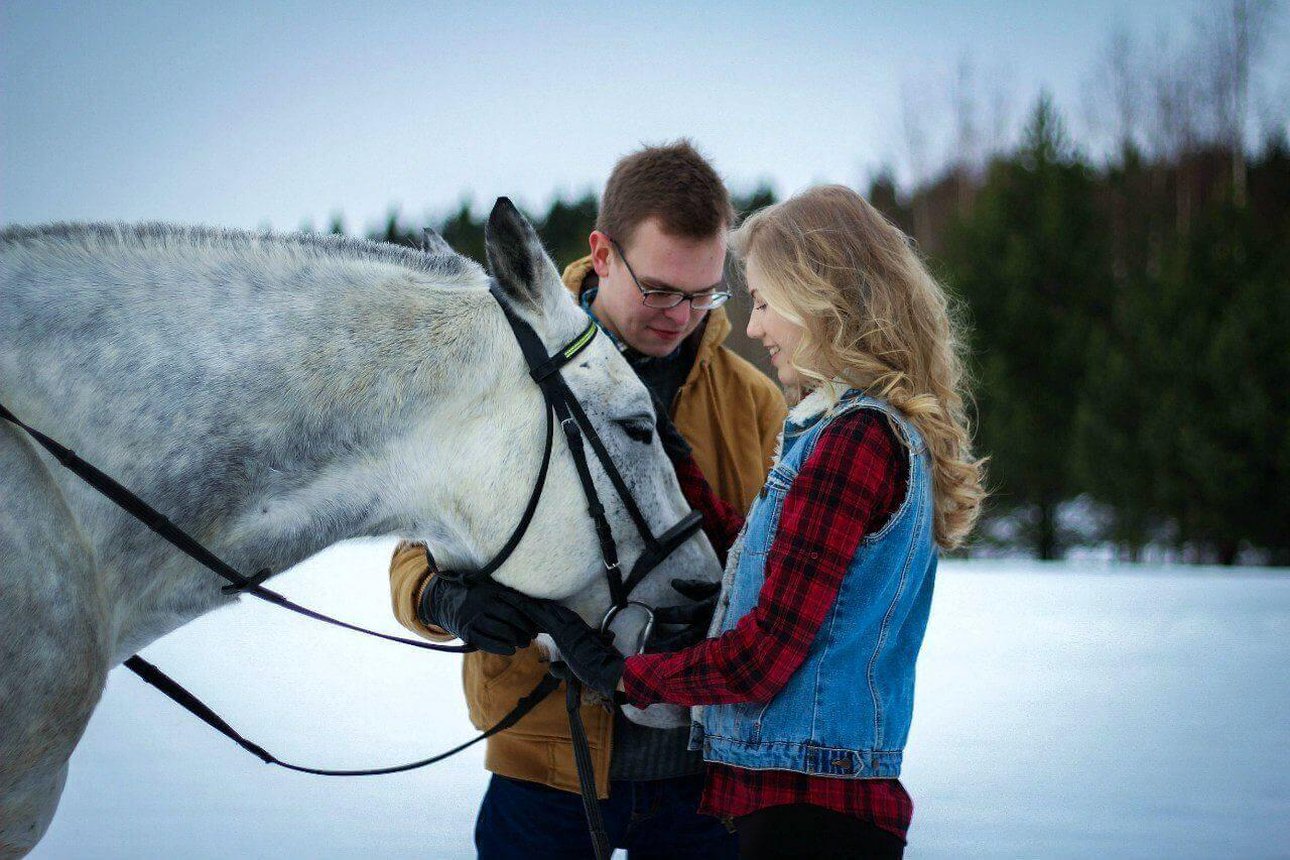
(662, 299)
(709, 301)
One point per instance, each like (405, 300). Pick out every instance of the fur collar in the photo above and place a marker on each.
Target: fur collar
(817, 402)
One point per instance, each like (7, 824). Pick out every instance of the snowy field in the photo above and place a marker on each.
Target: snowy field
(1064, 711)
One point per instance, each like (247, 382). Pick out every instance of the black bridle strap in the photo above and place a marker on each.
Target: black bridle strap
(604, 533)
(656, 549)
(514, 541)
(172, 689)
(620, 486)
(661, 548)
(544, 369)
(586, 771)
(177, 537)
(573, 419)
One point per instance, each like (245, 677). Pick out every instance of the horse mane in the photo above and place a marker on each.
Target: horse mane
(95, 238)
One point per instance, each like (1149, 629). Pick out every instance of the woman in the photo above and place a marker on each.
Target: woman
(808, 679)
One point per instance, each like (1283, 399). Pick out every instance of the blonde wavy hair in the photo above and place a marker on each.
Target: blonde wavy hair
(873, 319)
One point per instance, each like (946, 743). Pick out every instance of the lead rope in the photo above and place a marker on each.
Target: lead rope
(586, 772)
(186, 700)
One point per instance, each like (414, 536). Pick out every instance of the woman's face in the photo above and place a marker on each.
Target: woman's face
(779, 335)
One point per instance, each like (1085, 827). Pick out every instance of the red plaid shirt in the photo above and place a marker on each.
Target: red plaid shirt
(849, 487)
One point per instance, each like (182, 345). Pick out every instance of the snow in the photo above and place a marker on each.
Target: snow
(1064, 711)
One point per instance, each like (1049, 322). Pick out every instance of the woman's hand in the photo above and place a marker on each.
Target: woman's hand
(589, 654)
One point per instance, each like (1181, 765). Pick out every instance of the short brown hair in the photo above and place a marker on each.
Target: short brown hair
(673, 183)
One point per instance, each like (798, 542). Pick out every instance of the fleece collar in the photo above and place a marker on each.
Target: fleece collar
(817, 402)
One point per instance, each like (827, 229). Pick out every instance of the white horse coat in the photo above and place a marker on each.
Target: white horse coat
(273, 396)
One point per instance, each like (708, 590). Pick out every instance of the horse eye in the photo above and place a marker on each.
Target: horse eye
(638, 429)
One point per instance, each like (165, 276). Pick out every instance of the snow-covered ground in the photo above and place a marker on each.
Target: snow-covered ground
(1064, 710)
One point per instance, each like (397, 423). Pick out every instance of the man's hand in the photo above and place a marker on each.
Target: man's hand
(485, 614)
(693, 619)
(590, 655)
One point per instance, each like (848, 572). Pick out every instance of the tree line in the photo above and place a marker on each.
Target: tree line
(1128, 314)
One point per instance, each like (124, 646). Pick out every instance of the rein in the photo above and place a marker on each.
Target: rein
(561, 404)
(190, 546)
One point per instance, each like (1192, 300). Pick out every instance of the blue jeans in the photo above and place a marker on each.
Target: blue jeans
(521, 820)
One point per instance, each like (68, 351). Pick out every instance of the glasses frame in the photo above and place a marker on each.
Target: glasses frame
(718, 297)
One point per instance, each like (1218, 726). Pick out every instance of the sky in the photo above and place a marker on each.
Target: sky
(254, 114)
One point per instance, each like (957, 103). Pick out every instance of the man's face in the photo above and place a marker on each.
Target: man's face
(661, 262)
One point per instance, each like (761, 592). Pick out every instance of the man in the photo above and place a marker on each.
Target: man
(654, 283)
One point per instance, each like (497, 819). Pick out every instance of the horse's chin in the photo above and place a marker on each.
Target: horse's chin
(659, 716)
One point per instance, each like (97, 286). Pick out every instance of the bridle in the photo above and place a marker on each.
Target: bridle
(561, 404)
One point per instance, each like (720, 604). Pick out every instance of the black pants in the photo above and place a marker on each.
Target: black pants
(803, 830)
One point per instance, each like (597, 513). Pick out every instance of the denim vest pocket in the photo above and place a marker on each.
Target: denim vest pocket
(763, 520)
(739, 722)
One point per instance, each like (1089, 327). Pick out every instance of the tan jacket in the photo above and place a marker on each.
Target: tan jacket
(731, 413)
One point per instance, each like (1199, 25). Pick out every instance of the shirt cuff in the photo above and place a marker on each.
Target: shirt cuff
(639, 684)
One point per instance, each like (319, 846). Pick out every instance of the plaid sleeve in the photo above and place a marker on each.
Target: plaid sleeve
(848, 487)
(721, 520)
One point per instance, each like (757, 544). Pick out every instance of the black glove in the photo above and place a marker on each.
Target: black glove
(674, 444)
(694, 618)
(485, 614)
(590, 655)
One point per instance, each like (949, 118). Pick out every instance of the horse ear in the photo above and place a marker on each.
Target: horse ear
(517, 259)
(433, 243)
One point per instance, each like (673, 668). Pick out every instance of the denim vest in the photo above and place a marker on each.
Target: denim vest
(846, 711)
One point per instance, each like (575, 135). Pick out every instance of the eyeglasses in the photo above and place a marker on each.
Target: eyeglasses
(664, 299)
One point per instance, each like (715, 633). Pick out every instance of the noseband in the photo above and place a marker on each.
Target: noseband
(561, 404)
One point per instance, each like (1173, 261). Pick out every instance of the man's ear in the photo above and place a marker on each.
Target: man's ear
(601, 248)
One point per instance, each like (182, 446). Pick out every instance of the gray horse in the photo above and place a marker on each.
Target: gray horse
(275, 395)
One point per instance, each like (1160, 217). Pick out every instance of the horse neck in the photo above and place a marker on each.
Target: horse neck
(350, 449)
(385, 486)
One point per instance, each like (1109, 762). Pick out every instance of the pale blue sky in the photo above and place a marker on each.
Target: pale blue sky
(254, 113)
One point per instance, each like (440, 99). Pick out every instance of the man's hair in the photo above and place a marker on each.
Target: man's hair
(673, 183)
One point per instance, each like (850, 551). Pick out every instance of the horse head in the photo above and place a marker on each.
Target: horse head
(559, 555)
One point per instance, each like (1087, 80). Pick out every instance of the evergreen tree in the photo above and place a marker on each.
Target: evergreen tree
(566, 226)
(1182, 430)
(1228, 355)
(759, 198)
(464, 234)
(1029, 259)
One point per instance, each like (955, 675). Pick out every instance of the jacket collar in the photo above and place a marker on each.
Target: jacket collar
(819, 401)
